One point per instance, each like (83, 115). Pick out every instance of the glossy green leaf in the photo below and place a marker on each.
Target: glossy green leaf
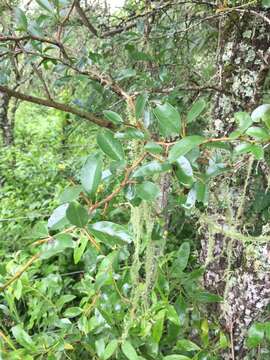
(202, 194)
(58, 218)
(191, 199)
(187, 345)
(91, 174)
(57, 245)
(45, 4)
(183, 146)
(258, 133)
(255, 335)
(79, 249)
(110, 232)
(184, 171)
(151, 168)
(181, 261)
(153, 148)
(196, 109)
(147, 191)
(72, 312)
(109, 145)
(21, 19)
(110, 349)
(23, 338)
(168, 119)
(130, 134)
(244, 148)
(113, 117)
(77, 214)
(129, 351)
(266, 3)
(260, 112)
(176, 357)
(140, 105)
(70, 194)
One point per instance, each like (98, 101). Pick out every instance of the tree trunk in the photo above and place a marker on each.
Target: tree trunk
(238, 272)
(5, 124)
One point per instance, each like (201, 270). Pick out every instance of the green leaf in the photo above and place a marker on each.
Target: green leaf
(70, 194)
(153, 148)
(79, 249)
(180, 263)
(261, 111)
(266, 3)
(223, 341)
(191, 199)
(21, 19)
(176, 357)
(72, 312)
(58, 218)
(157, 328)
(109, 145)
(187, 345)
(184, 171)
(201, 188)
(63, 300)
(196, 109)
(113, 117)
(59, 243)
(244, 148)
(130, 134)
(125, 74)
(110, 232)
(183, 146)
(255, 335)
(110, 349)
(147, 191)
(206, 297)
(172, 315)
(40, 230)
(77, 214)
(258, 133)
(168, 119)
(243, 120)
(129, 351)
(140, 105)
(151, 168)
(23, 338)
(45, 4)
(91, 174)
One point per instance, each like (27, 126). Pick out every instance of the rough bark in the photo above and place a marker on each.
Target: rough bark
(241, 277)
(6, 125)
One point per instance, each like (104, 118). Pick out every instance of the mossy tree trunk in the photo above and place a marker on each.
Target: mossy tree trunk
(6, 125)
(238, 272)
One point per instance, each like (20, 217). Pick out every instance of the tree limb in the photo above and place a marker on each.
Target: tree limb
(59, 106)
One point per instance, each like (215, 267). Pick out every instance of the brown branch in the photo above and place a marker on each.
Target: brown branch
(17, 39)
(121, 186)
(63, 22)
(59, 106)
(84, 18)
(19, 273)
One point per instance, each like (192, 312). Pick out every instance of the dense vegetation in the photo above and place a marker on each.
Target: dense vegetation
(134, 180)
